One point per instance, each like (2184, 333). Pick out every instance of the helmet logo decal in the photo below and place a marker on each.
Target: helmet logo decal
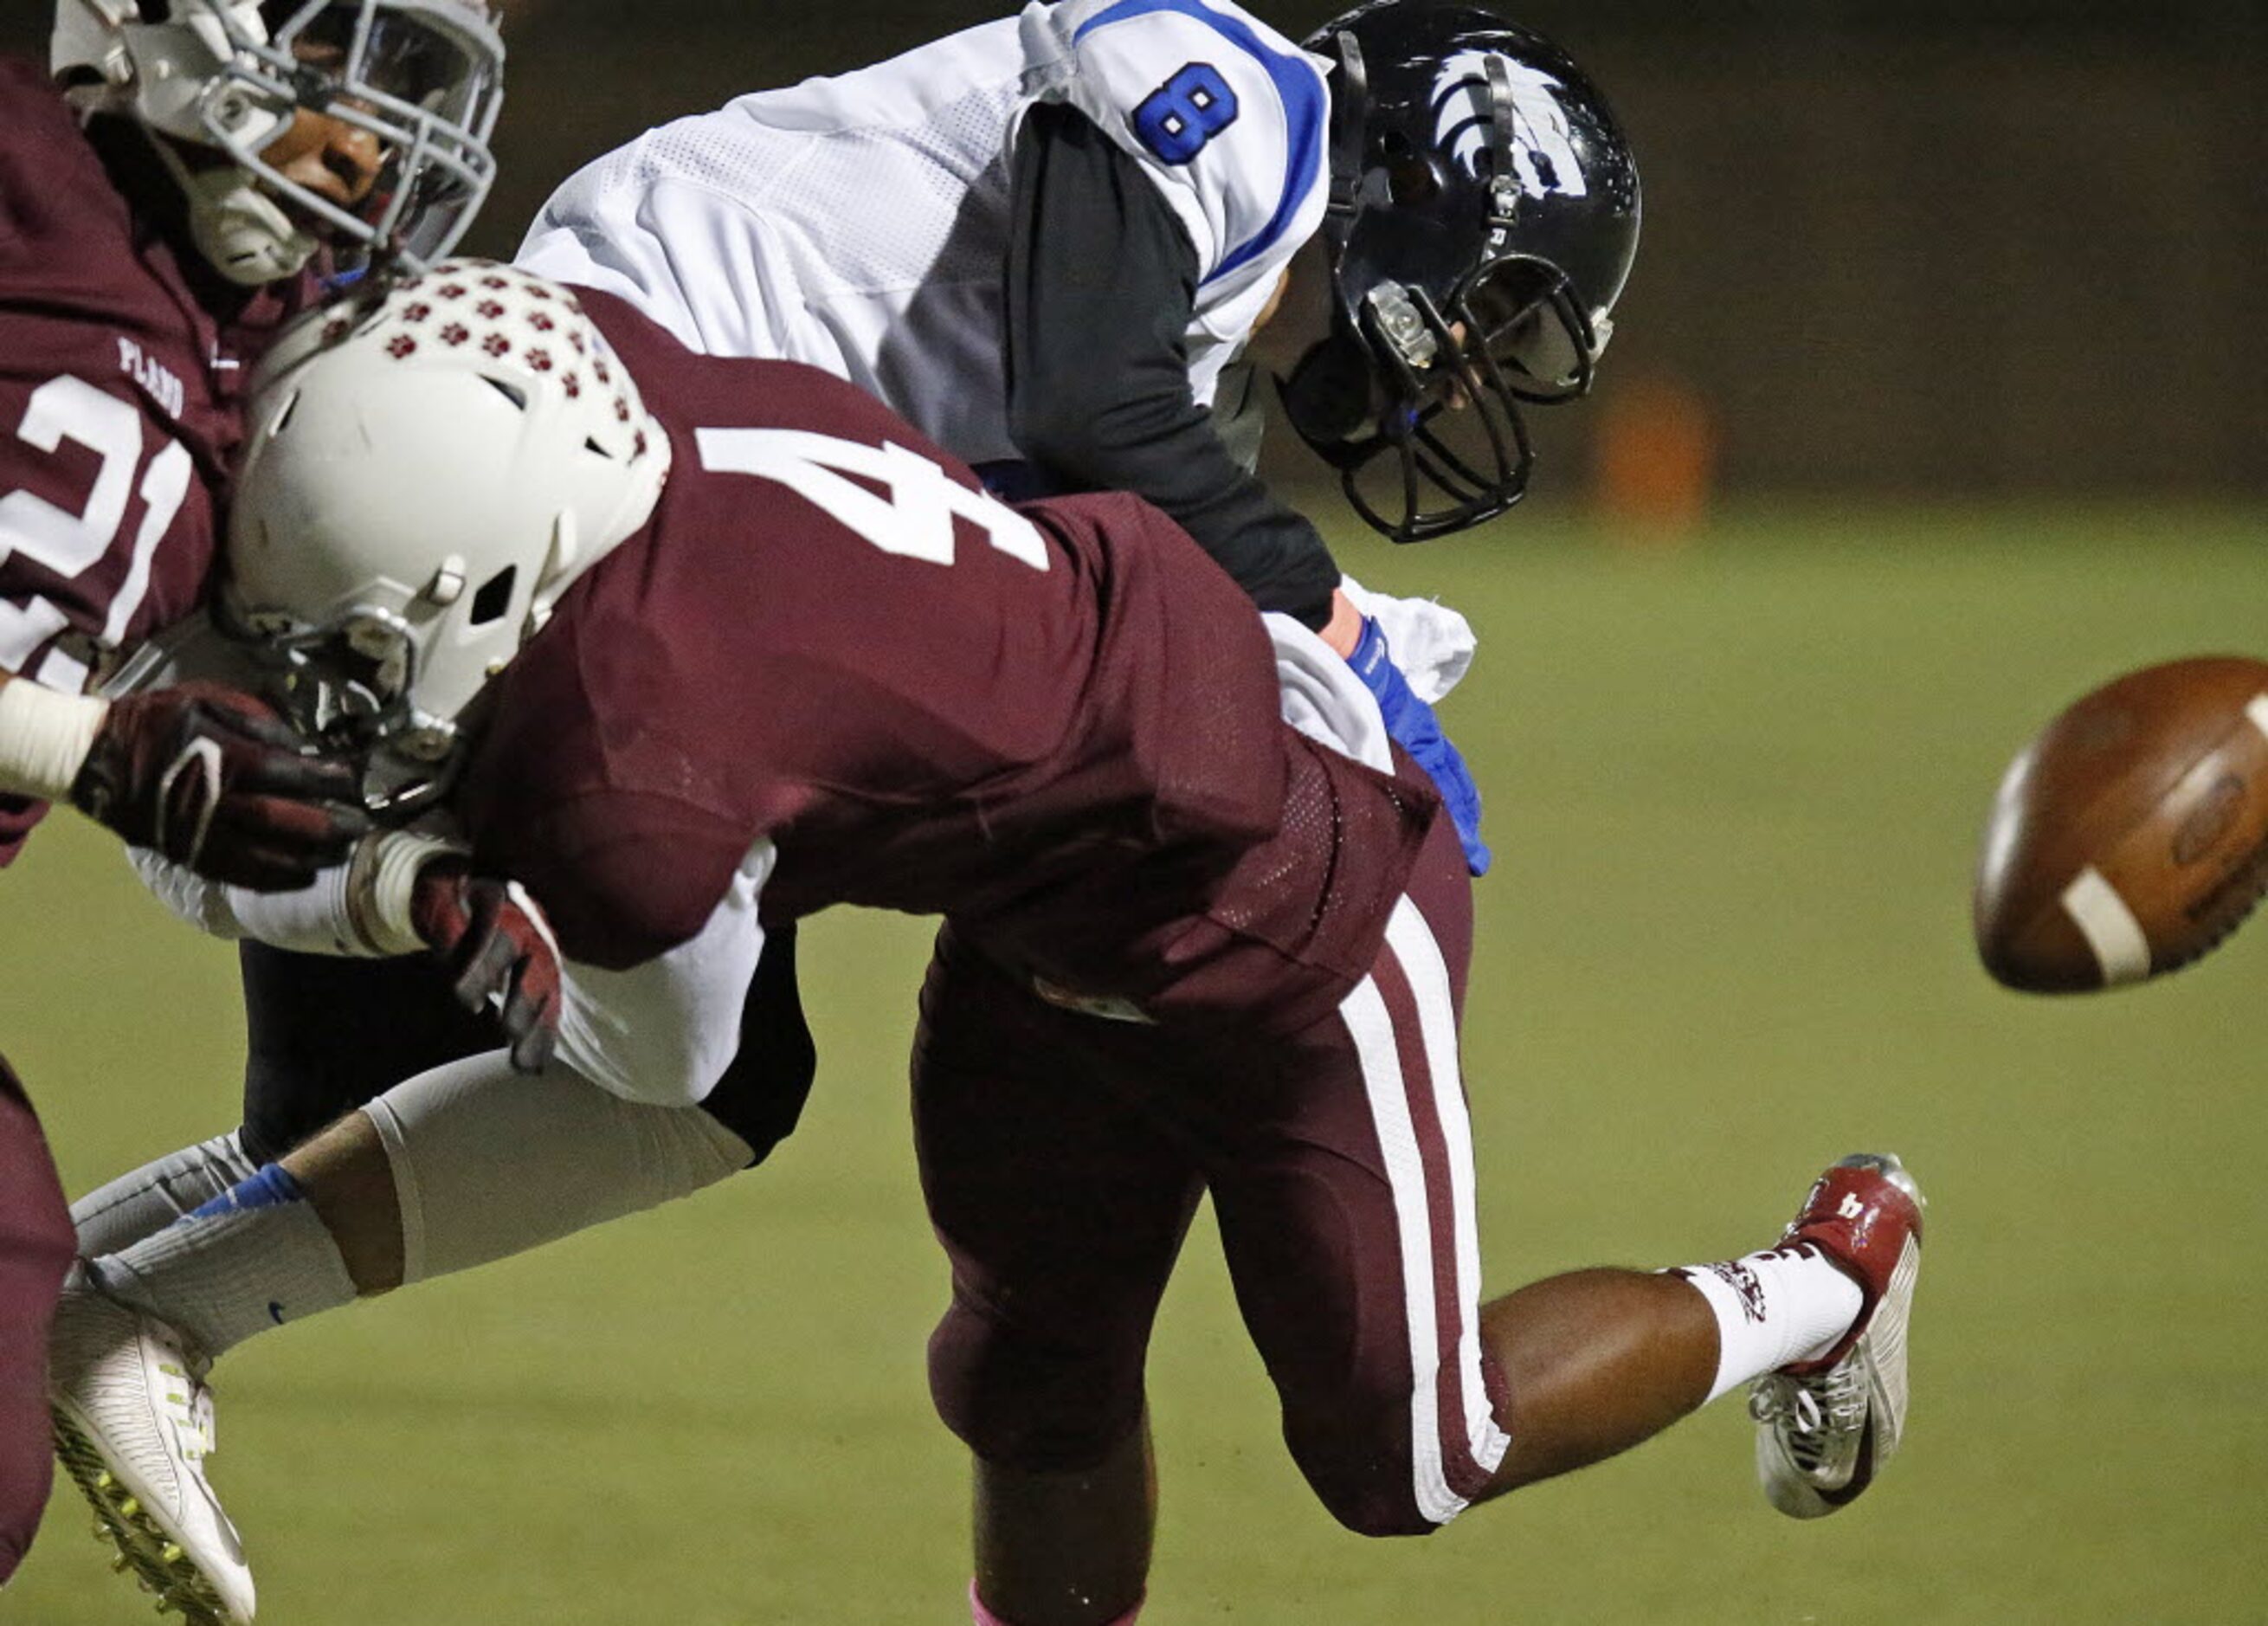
(1545, 160)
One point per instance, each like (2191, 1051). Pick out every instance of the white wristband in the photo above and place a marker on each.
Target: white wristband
(382, 880)
(45, 736)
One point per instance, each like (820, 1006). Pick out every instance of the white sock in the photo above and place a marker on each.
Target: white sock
(1773, 1308)
(250, 1260)
(490, 1162)
(153, 1196)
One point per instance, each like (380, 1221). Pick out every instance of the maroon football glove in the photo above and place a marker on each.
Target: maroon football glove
(494, 941)
(211, 779)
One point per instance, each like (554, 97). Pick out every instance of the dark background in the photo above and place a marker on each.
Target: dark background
(1947, 248)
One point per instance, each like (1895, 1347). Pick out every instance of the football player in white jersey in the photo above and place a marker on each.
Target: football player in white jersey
(1067, 224)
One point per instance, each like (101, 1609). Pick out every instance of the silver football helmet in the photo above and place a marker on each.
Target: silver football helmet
(428, 468)
(425, 77)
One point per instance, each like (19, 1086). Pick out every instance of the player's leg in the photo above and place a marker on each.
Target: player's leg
(461, 1164)
(1063, 1209)
(395, 1020)
(503, 1162)
(35, 1251)
(1341, 1172)
(1343, 1178)
(1053, 1545)
(1595, 1361)
(323, 1036)
(408, 1189)
(193, 1252)
(410, 1182)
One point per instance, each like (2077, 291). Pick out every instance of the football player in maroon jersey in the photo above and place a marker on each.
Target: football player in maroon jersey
(326, 1036)
(1189, 947)
(36, 1250)
(187, 180)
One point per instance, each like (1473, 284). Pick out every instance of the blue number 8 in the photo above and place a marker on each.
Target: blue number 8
(1180, 116)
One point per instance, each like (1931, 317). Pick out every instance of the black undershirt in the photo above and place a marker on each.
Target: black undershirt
(1101, 282)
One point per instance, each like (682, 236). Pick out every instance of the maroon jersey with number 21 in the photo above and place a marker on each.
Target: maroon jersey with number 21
(120, 370)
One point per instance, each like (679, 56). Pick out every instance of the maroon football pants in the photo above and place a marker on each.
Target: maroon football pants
(35, 1251)
(1063, 1155)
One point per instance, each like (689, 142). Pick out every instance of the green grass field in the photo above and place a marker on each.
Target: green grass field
(1734, 794)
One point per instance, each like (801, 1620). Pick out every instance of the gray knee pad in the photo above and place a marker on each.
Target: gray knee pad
(488, 1163)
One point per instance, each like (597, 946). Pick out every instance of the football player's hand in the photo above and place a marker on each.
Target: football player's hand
(1412, 724)
(494, 942)
(211, 779)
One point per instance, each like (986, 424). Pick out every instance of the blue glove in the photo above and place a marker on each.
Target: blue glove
(1412, 724)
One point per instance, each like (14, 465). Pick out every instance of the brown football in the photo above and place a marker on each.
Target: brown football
(2132, 835)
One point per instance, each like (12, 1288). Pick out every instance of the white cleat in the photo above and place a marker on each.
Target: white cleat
(133, 1428)
(1826, 1428)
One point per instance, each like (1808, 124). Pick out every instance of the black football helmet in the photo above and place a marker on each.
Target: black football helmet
(1484, 214)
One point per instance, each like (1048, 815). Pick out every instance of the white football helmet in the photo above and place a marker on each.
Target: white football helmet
(424, 76)
(427, 470)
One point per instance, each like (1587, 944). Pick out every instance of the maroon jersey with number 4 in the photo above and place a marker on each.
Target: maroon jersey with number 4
(1057, 724)
(120, 364)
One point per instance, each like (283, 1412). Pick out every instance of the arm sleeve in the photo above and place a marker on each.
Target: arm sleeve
(654, 905)
(1101, 280)
(315, 919)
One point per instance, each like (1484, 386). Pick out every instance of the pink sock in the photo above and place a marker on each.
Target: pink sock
(981, 1617)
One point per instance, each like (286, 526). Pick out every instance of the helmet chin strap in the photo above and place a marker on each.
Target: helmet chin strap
(241, 231)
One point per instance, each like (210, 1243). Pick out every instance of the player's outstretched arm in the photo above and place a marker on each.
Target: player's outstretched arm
(401, 893)
(204, 774)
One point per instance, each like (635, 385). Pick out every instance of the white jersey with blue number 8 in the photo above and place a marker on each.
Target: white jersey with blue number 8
(860, 223)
